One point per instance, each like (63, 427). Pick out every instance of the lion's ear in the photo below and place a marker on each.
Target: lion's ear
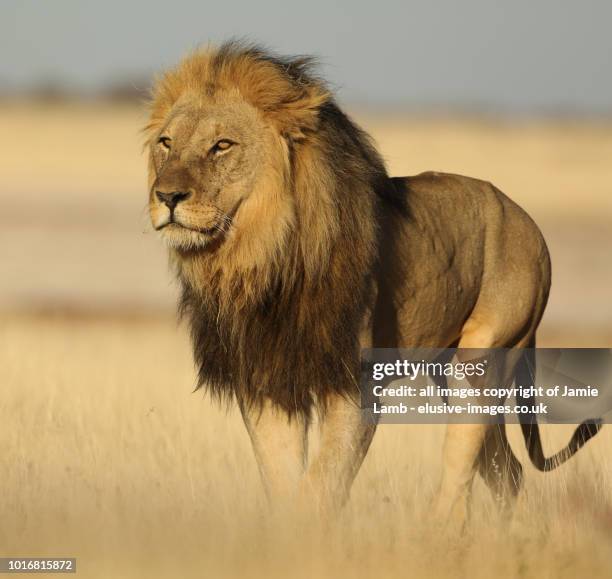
(297, 117)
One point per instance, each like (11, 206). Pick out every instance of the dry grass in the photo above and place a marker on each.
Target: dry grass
(108, 456)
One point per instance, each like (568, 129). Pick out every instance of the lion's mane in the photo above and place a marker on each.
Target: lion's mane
(279, 313)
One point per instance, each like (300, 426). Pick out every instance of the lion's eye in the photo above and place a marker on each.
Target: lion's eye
(165, 142)
(222, 145)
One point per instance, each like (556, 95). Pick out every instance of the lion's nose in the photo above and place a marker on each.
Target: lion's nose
(172, 199)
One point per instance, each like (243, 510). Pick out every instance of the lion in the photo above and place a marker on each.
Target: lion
(295, 250)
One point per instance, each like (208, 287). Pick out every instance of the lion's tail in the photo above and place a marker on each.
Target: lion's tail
(525, 373)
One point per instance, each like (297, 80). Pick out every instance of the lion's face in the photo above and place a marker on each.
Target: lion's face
(205, 162)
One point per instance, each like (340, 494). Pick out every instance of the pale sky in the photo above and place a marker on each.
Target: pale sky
(503, 55)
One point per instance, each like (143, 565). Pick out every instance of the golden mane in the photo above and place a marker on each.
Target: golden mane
(276, 313)
(283, 89)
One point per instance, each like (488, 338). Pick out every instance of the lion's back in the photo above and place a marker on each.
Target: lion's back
(470, 210)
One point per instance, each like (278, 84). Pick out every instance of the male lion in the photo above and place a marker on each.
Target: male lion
(295, 249)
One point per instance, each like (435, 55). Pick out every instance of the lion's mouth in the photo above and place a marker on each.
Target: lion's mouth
(174, 224)
(219, 227)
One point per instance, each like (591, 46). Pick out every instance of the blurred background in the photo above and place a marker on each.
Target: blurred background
(516, 93)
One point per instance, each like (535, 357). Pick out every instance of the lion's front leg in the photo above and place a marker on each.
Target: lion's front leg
(280, 444)
(344, 442)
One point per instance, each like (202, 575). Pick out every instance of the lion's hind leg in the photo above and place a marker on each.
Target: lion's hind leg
(479, 447)
(500, 469)
(497, 464)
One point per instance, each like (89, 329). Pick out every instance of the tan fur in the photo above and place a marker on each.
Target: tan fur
(295, 249)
